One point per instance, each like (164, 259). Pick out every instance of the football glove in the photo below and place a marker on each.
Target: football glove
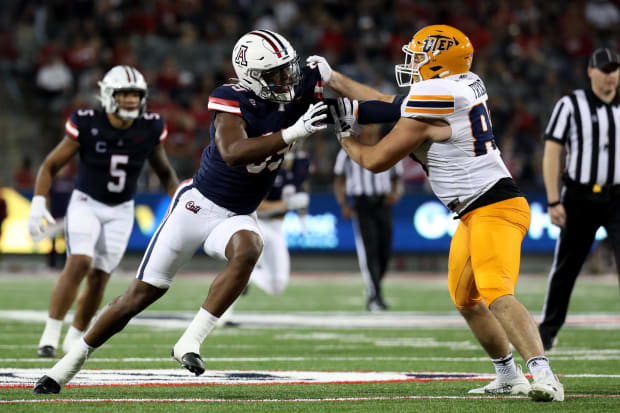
(299, 200)
(345, 120)
(307, 124)
(38, 211)
(324, 68)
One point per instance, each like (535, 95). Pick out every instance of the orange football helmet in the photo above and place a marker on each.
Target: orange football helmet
(435, 51)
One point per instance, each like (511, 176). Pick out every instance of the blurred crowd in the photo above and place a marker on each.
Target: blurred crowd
(53, 52)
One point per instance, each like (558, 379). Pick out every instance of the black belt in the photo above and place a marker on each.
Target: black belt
(592, 188)
(369, 198)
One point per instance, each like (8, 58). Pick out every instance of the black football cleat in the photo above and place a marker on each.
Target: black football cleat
(46, 385)
(191, 361)
(46, 351)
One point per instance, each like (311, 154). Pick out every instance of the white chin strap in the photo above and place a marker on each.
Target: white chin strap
(128, 114)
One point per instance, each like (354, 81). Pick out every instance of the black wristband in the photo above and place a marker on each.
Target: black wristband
(552, 204)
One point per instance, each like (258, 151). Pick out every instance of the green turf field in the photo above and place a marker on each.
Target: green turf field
(286, 334)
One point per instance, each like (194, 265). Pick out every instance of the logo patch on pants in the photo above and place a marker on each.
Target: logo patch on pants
(192, 207)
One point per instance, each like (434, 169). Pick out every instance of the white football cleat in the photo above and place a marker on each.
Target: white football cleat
(546, 387)
(501, 385)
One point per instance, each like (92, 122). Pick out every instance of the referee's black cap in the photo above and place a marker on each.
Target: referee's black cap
(605, 59)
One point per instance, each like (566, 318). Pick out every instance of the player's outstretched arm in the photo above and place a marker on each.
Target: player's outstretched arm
(236, 149)
(343, 84)
(403, 139)
(161, 165)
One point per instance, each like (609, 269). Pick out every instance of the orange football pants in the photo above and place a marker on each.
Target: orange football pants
(485, 252)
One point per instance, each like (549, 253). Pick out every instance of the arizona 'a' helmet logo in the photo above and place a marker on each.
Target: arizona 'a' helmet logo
(438, 42)
(240, 58)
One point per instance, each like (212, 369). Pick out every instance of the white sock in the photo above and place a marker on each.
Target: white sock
(71, 363)
(196, 332)
(539, 364)
(51, 333)
(505, 366)
(71, 338)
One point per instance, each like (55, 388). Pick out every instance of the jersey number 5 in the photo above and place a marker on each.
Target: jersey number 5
(120, 174)
(481, 129)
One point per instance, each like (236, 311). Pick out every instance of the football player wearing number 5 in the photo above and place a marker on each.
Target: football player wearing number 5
(272, 105)
(113, 145)
(445, 124)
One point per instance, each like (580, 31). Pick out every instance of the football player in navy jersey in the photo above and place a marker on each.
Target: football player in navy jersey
(113, 145)
(272, 105)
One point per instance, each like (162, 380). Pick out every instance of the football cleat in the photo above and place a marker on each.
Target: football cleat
(546, 387)
(190, 361)
(46, 351)
(501, 385)
(46, 385)
(376, 305)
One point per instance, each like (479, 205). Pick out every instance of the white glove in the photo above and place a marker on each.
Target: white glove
(38, 211)
(345, 121)
(324, 68)
(299, 200)
(307, 124)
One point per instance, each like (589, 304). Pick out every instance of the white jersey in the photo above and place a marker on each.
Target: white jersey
(468, 164)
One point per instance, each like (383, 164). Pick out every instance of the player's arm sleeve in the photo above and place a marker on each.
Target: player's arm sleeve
(560, 122)
(71, 127)
(376, 111)
(224, 99)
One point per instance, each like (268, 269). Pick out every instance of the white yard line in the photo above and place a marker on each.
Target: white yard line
(341, 320)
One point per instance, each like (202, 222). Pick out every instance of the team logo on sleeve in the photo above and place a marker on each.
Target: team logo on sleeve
(241, 59)
(438, 42)
(191, 206)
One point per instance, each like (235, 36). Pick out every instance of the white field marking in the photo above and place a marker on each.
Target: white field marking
(392, 319)
(329, 399)
(21, 378)
(582, 354)
(175, 377)
(347, 339)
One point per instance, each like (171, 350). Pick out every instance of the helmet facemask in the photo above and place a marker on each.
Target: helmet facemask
(278, 84)
(409, 73)
(122, 79)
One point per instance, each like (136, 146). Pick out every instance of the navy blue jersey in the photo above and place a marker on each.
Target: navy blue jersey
(111, 159)
(241, 188)
(294, 177)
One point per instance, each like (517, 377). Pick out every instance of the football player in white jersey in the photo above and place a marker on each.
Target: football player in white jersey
(445, 124)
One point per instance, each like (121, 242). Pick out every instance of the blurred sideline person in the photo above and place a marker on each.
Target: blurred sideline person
(445, 124)
(113, 145)
(257, 119)
(289, 193)
(587, 124)
(373, 197)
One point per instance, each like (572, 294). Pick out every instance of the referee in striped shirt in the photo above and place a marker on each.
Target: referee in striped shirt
(587, 124)
(373, 196)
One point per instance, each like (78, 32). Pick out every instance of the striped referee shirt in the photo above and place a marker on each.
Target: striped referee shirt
(590, 130)
(361, 181)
